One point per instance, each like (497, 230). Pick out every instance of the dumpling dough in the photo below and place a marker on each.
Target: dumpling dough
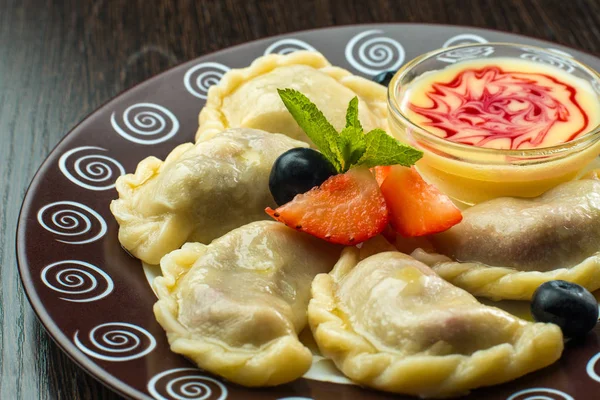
(505, 248)
(248, 97)
(236, 306)
(389, 322)
(200, 192)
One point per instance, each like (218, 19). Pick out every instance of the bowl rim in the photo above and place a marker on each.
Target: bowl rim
(396, 113)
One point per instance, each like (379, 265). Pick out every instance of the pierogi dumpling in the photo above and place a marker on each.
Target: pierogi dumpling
(389, 322)
(200, 192)
(505, 248)
(236, 306)
(248, 97)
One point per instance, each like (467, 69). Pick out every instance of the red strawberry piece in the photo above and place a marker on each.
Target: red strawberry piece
(416, 207)
(346, 209)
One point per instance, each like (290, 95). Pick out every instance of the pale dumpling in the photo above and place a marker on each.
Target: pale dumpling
(390, 323)
(200, 192)
(506, 247)
(236, 306)
(248, 97)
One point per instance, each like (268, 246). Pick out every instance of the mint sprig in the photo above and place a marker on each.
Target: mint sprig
(351, 146)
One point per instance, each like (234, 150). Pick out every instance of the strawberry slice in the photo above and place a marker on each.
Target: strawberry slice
(416, 207)
(381, 172)
(346, 209)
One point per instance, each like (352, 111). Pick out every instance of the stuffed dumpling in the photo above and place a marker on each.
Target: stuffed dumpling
(389, 322)
(506, 247)
(248, 97)
(235, 307)
(200, 192)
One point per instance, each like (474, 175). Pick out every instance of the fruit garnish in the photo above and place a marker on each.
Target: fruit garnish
(352, 146)
(416, 207)
(384, 78)
(297, 171)
(346, 209)
(381, 173)
(570, 306)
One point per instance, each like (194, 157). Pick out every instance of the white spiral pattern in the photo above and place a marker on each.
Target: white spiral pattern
(81, 281)
(374, 55)
(295, 398)
(72, 220)
(540, 394)
(150, 124)
(561, 52)
(465, 53)
(288, 45)
(557, 61)
(186, 384)
(464, 38)
(200, 77)
(591, 368)
(117, 341)
(92, 170)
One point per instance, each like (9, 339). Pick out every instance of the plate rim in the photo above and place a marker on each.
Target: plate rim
(52, 329)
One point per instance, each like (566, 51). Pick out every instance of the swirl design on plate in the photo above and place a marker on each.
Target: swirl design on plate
(466, 53)
(116, 341)
(146, 123)
(82, 281)
(557, 61)
(186, 383)
(200, 77)
(540, 394)
(591, 368)
(464, 38)
(295, 398)
(72, 220)
(92, 170)
(375, 54)
(561, 52)
(286, 46)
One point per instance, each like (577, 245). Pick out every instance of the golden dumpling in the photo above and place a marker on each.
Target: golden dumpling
(390, 323)
(248, 97)
(505, 248)
(235, 307)
(200, 192)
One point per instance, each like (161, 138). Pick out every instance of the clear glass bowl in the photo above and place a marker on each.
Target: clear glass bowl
(471, 174)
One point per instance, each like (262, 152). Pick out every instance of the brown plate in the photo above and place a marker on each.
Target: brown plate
(94, 299)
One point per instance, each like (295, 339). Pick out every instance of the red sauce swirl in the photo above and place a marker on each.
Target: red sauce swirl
(486, 104)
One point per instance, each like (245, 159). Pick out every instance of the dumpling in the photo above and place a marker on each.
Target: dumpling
(248, 97)
(200, 192)
(505, 248)
(390, 323)
(236, 306)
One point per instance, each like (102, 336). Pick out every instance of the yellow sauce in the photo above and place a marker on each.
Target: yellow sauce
(478, 169)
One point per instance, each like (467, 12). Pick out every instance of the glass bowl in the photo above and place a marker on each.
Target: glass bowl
(471, 174)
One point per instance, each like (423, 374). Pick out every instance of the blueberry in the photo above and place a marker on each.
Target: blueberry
(384, 77)
(297, 171)
(568, 305)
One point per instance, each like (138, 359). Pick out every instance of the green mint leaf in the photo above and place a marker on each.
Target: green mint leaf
(352, 115)
(352, 143)
(382, 149)
(314, 124)
(352, 146)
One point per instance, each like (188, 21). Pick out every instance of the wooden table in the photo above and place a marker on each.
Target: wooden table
(61, 59)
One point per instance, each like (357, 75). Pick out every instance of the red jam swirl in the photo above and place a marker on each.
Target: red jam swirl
(482, 105)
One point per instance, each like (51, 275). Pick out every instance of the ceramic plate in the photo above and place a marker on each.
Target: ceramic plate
(94, 299)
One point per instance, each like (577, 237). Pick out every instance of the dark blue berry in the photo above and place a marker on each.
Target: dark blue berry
(384, 77)
(297, 171)
(570, 306)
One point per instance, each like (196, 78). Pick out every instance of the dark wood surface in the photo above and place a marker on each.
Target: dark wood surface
(61, 59)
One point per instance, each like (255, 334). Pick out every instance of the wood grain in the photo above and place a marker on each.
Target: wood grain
(61, 59)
